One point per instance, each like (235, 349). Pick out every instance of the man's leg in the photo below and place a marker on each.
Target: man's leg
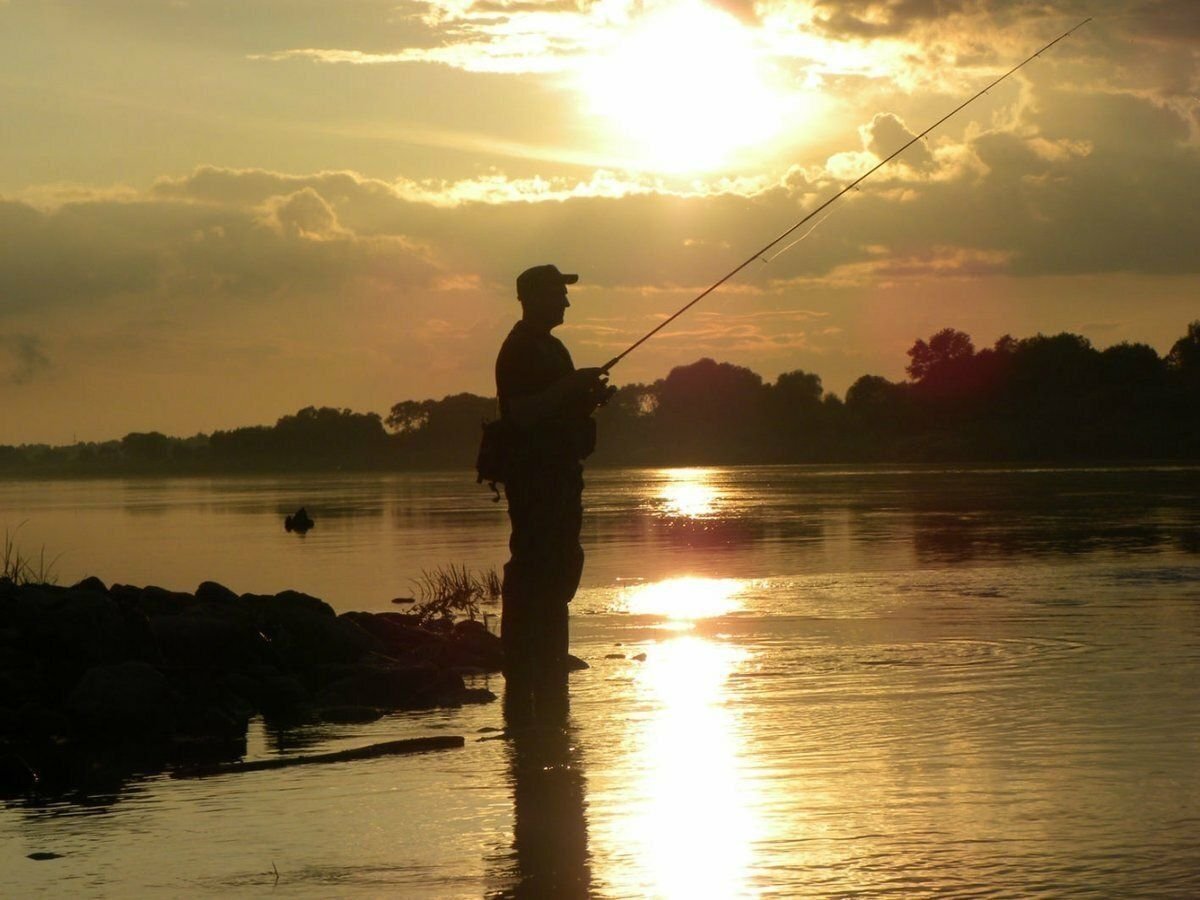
(518, 616)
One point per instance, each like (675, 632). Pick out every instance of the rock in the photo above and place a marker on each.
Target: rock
(152, 600)
(66, 631)
(398, 633)
(286, 602)
(305, 633)
(43, 855)
(20, 682)
(97, 682)
(476, 695)
(408, 687)
(127, 697)
(218, 720)
(203, 641)
(575, 664)
(91, 583)
(283, 697)
(614, 655)
(16, 777)
(212, 592)
(472, 645)
(641, 657)
(299, 521)
(36, 720)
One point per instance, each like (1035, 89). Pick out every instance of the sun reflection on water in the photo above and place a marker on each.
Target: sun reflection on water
(693, 825)
(688, 493)
(684, 599)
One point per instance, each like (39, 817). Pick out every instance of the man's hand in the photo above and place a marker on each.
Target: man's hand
(587, 379)
(581, 390)
(592, 384)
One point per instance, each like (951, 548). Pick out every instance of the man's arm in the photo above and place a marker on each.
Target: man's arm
(579, 386)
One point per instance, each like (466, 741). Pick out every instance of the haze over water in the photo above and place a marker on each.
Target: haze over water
(857, 681)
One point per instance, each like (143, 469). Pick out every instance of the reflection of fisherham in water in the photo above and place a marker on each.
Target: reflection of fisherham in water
(549, 856)
(546, 406)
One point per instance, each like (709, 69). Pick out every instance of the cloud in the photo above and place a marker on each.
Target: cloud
(964, 263)
(886, 133)
(1070, 183)
(486, 37)
(27, 357)
(872, 19)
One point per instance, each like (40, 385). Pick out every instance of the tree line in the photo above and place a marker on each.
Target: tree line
(1053, 398)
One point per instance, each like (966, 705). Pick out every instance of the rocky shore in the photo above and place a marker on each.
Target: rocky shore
(98, 680)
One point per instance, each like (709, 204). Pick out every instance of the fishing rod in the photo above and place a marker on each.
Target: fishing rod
(758, 254)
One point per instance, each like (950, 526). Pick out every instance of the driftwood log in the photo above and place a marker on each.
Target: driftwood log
(371, 751)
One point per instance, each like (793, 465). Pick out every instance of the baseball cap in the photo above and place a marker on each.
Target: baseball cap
(541, 278)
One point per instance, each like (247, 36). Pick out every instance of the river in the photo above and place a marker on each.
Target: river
(857, 681)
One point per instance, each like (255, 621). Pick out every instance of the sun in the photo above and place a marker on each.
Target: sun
(682, 88)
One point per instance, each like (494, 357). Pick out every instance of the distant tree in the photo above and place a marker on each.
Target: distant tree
(1132, 367)
(710, 410)
(1183, 361)
(871, 394)
(329, 436)
(625, 424)
(1053, 399)
(946, 352)
(243, 447)
(796, 416)
(409, 416)
(797, 390)
(146, 448)
(441, 432)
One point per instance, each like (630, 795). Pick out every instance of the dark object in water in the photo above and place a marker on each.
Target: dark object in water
(43, 855)
(372, 751)
(298, 522)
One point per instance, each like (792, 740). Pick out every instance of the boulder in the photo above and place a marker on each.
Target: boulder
(305, 632)
(205, 641)
(398, 634)
(407, 687)
(66, 631)
(472, 645)
(123, 698)
(218, 594)
(91, 583)
(283, 697)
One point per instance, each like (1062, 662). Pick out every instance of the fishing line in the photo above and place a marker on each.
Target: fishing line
(759, 254)
(778, 253)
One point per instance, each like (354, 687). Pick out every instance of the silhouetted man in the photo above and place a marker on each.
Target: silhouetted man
(547, 405)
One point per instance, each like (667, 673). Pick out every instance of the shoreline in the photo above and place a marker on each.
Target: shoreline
(98, 682)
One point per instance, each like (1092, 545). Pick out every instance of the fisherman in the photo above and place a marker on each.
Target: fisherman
(546, 405)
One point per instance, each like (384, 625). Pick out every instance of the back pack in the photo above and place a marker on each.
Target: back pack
(495, 449)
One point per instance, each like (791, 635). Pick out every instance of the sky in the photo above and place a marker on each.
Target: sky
(215, 213)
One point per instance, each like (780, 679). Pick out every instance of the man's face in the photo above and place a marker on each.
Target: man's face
(547, 306)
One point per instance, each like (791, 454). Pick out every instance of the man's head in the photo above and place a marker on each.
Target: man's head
(542, 291)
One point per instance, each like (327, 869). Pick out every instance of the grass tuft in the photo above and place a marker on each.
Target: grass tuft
(452, 592)
(19, 568)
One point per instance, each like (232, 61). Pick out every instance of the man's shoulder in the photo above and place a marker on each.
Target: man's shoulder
(516, 344)
(523, 339)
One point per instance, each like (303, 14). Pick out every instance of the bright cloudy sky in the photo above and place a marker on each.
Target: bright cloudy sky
(215, 212)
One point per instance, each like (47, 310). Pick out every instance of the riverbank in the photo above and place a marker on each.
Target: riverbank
(97, 681)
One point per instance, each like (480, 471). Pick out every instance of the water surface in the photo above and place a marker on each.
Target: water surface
(857, 682)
